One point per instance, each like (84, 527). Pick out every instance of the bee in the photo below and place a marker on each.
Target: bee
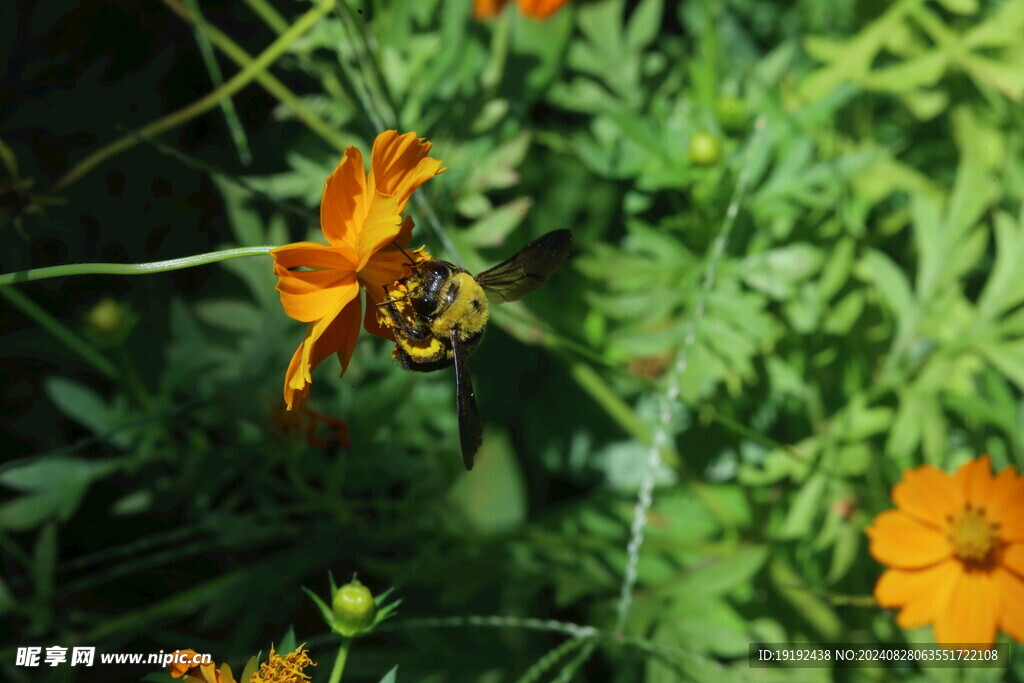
(438, 315)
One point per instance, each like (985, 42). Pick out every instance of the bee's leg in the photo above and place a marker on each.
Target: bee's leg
(411, 263)
(399, 322)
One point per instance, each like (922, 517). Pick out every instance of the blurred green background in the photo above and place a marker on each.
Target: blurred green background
(798, 233)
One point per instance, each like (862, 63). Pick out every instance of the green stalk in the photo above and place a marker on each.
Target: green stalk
(58, 330)
(339, 661)
(231, 119)
(203, 104)
(273, 86)
(617, 409)
(128, 268)
(268, 14)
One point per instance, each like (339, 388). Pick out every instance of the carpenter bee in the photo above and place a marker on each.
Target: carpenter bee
(438, 315)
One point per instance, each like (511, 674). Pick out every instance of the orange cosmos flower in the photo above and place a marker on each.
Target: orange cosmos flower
(535, 9)
(361, 218)
(198, 673)
(955, 548)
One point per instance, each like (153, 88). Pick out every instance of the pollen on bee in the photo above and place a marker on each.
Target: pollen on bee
(398, 293)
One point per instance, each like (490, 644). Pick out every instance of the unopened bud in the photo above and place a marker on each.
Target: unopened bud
(354, 609)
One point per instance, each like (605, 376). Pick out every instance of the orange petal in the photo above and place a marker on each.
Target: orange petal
(972, 612)
(898, 540)
(314, 255)
(400, 165)
(1011, 616)
(928, 494)
(178, 669)
(974, 478)
(540, 9)
(382, 227)
(345, 202)
(309, 295)
(897, 587)
(485, 9)
(347, 325)
(373, 298)
(323, 338)
(1013, 558)
(1006, 506)
(936, 584)
(404, 237)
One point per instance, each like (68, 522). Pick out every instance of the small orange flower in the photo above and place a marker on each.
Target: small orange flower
(535, 9)
(198, 673)
(955, 548)
(361, 218)
(305, 422)
(289, 668)
(177, 669)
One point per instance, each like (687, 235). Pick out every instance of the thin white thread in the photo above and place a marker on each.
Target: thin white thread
(645, 497)
(529, 623)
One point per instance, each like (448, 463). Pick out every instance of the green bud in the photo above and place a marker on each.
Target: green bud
(106, 317)
(731, 113)
(705, 149)
(354, 609)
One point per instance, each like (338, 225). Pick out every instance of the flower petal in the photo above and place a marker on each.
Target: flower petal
(324, 337)
(1013, 558)
(972, 612)
(898, 540)
(485, 9)
(897, 587)
(1006, 506)
(400, 164)
(382, 227)
(374, 297)
(937, 583)
(345, 201)
(346, 331)
(315, 255)
(928, 494)
(309, 295)
(540, 9)
(1011, 615)
(974, 479)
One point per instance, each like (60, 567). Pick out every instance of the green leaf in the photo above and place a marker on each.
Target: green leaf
(80, 403)
(644, 24)
(230, 315)
(965, 7)
(496, 225)
(44, 562)
(805, 508)
(288, 643)
(391, 676)
(845, 552)
(491, 499)
(721, 576)
(325, 610)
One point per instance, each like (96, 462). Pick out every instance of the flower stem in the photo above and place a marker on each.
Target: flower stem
(339, 661)
(59, 331)
(203, 104)
(129, 268)
(270, 83)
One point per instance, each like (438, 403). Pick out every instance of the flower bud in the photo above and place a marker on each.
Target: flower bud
(106, 317)
(354, 609)
(705, 149)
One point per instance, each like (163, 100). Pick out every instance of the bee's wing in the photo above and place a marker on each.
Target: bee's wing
(527, 269)
(470, 431)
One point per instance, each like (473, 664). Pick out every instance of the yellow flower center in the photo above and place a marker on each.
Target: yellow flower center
(973, 537)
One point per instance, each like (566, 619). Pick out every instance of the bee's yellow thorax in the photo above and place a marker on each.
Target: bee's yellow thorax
(467, 307)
